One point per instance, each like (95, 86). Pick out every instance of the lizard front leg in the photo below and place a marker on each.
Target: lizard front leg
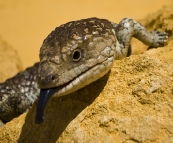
(129, 28)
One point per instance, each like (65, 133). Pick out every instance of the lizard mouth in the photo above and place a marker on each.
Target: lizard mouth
(45, 94)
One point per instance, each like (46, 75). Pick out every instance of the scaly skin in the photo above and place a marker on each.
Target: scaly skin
(72, 56)
(18, 94)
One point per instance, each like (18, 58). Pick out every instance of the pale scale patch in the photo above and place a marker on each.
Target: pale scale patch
(113, 31)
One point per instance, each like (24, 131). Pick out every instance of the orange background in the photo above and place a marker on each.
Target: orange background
(24, 24)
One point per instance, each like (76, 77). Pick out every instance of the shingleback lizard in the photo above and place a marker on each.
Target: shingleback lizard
(72, 56)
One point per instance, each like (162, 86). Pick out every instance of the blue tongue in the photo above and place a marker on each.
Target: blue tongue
(44, 96)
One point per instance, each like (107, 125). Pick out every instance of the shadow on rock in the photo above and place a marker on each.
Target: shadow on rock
(59, 113)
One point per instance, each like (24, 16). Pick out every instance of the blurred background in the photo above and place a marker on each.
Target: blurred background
(24, 24)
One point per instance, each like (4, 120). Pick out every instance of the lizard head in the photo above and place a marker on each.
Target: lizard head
(72, 56)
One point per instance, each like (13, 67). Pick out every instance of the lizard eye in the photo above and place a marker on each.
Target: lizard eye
(76, 55)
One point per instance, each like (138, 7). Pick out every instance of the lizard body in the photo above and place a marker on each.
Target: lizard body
(72, 56)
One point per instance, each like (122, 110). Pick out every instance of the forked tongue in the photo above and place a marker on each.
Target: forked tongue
(44, 96)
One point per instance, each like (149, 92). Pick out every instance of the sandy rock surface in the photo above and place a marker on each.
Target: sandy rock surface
(133, 103)
(10, 63)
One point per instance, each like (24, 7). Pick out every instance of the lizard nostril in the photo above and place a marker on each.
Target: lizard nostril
(51, 78)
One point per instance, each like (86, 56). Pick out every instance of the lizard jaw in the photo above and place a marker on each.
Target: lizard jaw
(78, 82)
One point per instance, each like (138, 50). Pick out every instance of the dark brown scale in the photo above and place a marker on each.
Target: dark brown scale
(77, 27)
(1, 95)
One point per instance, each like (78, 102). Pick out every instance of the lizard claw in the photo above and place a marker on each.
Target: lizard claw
(160, 38)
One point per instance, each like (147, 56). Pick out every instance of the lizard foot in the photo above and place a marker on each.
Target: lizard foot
(159, 38)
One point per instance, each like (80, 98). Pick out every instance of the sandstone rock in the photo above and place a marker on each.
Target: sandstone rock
(10, 63)
(132, 103)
